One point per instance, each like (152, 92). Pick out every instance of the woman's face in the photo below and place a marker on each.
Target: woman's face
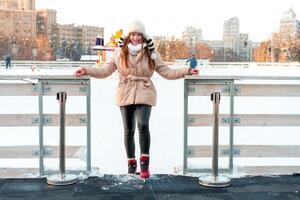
(136, 38)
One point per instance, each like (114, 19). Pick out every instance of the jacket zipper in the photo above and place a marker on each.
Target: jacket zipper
(135, 91)
(135, 82)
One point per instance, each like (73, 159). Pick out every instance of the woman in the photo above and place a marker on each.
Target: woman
(136, 60)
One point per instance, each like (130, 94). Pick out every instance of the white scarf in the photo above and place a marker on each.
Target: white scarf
(135, 49)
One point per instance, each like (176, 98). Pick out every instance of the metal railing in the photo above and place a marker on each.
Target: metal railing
(46, 64)
(204, 85)
(40, 86)
(67, 64)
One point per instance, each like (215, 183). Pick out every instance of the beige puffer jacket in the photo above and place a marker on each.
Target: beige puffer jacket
(135, 85)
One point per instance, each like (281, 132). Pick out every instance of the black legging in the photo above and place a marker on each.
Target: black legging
(131, 114)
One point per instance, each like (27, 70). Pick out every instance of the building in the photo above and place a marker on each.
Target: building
(67, 31)
(289, 26)
(46, 19)
(18, 23)
(17, 4)
(9, 4)
(26, 4)
(217, 47)
(86, 35)
(234, 47)
(83, 34)
(47, 26)
(191, 37)
(17, 27)
(245, 48)
(289, 31)
(15, 22)
(231, 31)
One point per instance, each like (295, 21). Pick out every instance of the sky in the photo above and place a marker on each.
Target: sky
(258, 18)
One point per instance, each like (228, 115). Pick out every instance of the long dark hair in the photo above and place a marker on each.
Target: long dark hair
(125, 53)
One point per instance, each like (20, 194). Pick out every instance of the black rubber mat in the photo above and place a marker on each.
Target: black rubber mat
(157, 187)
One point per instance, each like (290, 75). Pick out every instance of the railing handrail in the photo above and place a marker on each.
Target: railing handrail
(20, 63)
(240, 77)
(48, 62)
(40, 76)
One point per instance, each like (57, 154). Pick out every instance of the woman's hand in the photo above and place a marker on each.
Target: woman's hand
(79, 72)
(193, 71)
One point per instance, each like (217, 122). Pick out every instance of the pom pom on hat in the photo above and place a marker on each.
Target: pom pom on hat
(135, 26)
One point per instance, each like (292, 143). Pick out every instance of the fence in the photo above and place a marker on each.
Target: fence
(39, 86)
(255, 86)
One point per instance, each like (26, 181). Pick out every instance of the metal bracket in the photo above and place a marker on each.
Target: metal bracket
(47, 89)
(46, 120)
(227, 120)
(83, 89)
(225, 152)
(191, 120)
(82, 120)
(191, 90)
(191, 152)
(35, 88)
(227, 89)
(46, 152)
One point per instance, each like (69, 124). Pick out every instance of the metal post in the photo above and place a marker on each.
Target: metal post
(215, 97)
(214, 180)
(62, 178)
(88, 112)
(231, 126)
(185, 127)
(41, 125)
(62, 97)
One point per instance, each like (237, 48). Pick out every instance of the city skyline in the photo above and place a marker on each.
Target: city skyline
(259, 18)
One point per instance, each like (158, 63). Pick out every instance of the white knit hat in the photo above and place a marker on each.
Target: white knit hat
(135, 26)
(138, 26)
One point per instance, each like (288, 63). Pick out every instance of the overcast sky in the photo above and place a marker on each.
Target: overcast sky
(258, 18)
